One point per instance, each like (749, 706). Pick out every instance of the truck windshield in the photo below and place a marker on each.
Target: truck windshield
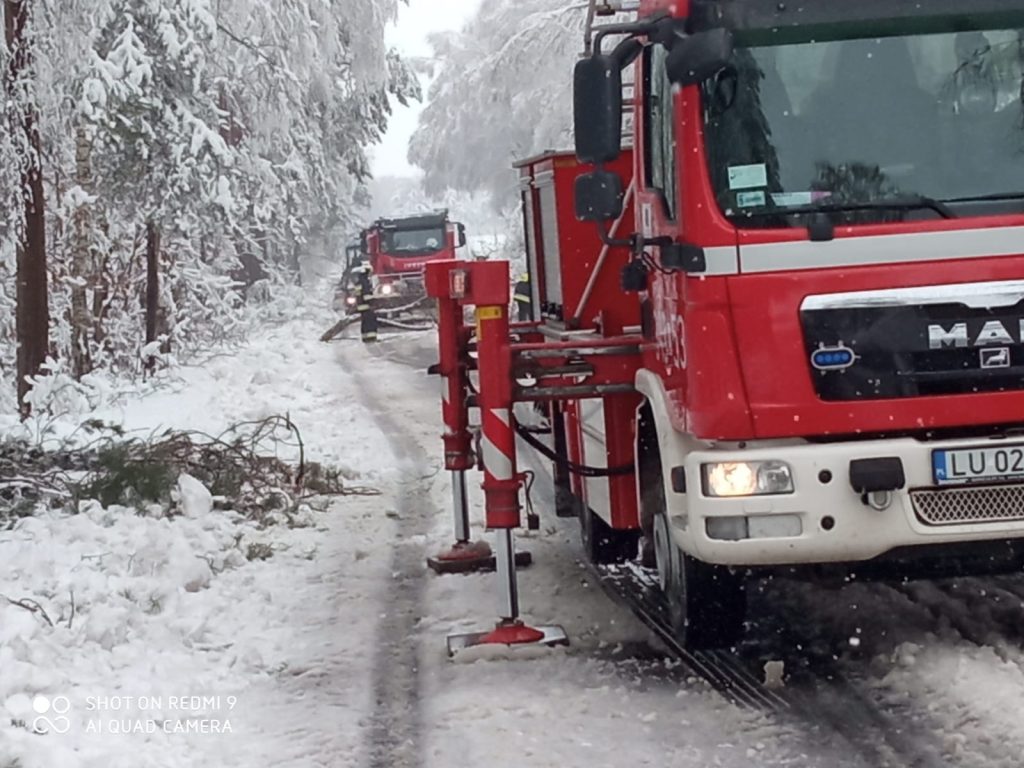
(413, 242)
(931, 118)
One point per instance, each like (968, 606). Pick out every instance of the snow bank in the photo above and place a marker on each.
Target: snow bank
(103, 603)
(185, 635)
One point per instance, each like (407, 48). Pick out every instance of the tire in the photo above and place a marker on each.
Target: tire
(707, 604)
(602, 544)
(652, 497)
(566, 504)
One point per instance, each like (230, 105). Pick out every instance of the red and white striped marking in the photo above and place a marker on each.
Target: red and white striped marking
(498, 443)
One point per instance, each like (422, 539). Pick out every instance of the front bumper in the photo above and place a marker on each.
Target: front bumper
(835, 524)
(400, 293)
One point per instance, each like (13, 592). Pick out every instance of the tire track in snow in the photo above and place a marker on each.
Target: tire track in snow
(395, 733)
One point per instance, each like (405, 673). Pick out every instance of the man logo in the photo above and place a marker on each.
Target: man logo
(995, 358)
(962, 335)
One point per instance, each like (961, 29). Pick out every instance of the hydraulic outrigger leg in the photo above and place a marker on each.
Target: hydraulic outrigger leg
(485, 285)
(464, 555)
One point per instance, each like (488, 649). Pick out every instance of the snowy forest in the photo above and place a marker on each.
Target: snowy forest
(174, 162)
(170, 162)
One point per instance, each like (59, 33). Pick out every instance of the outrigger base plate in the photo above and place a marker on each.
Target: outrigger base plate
(513, 634)
(471, 557)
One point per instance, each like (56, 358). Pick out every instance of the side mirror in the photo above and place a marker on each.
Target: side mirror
(597, 109)
(700, 57)
(599, 196)
(461, 229)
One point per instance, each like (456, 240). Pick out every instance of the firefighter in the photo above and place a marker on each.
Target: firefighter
(364, 303)
(524, 298)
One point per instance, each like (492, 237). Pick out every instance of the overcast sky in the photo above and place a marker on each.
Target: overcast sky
(409, 36)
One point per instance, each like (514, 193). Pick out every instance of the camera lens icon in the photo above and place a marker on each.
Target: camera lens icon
(50, 714)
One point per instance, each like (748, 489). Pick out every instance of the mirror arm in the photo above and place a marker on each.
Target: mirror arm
(627, 52)
(613, 242)
(633, 30)
(635, 242)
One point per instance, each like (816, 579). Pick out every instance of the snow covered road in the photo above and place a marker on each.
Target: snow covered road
(331, 652)
(612, 698)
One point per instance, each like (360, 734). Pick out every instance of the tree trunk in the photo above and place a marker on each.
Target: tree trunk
(33, 313)
(152, 287)
(81, 260)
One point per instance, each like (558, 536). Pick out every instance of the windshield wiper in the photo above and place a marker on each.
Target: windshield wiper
(905, 203)
(995, 197)
(823, 229)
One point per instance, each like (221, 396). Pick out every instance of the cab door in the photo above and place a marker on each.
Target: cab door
(659, 186)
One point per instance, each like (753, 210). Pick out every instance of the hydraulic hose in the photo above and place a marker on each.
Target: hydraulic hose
(571, 466)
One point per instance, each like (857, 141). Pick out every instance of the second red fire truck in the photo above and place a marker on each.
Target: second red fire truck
(393, 253)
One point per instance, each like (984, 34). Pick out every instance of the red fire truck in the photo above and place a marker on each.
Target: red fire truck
(794, 340)
(395, 251)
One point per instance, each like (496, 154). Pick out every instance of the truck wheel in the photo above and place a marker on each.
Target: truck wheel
(652, 497)
(602, 544)
(707, 604)
(566, 504)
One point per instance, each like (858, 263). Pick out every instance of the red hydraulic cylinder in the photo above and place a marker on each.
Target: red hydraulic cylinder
(464, 555)
(458, 454)
(498, 441)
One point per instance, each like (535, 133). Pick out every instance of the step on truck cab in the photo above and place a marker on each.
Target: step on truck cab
(830, 206)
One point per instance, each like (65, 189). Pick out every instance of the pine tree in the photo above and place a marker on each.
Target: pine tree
(33, 318)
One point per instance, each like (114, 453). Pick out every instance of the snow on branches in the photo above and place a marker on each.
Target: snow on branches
(234, 131)
(503, 91)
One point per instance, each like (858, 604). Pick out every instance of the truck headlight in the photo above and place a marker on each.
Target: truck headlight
(731, 479)
(387, 289)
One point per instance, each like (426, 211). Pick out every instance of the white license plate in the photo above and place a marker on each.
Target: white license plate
(974, 465)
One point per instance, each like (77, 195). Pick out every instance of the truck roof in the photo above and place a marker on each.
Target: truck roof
(812, 19)
(420, 221)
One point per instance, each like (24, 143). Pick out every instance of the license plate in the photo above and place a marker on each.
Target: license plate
(976, 465)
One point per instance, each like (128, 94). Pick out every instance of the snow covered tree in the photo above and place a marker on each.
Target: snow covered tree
(187, 149)
(503, 91)
(32, 312)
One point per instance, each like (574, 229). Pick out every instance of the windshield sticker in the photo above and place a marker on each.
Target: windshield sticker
(796, 199)
(751, 199)
(748, 176)
(792, 199)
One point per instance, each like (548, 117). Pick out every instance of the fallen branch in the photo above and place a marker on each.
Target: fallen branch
(31, 606)
(256, 468)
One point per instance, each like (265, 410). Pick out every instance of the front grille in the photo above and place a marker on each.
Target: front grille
(904, 348)
(980, 504)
